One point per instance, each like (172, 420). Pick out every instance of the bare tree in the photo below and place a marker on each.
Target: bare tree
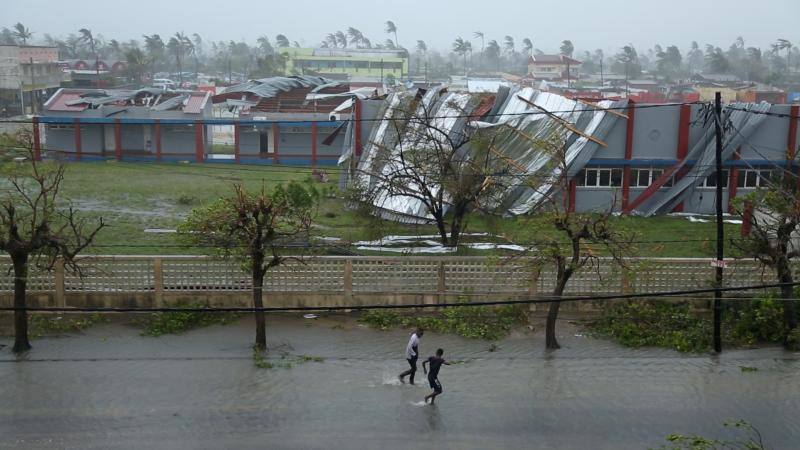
(37, 228)
(252, 227)
(451, 174)
(773, 213)
(88, 37)
(565, 238)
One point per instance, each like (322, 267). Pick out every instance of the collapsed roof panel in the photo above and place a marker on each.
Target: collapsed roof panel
(743, 123)
(270, 87)
(517, 123)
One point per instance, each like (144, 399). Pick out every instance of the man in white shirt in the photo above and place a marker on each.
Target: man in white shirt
(412, 353)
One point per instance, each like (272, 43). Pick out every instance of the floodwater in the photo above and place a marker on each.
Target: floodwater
(111, 388)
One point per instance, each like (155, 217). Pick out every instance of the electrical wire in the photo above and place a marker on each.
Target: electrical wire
(401, 119)
(528, 301)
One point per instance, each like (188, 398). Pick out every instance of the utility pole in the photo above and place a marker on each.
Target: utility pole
(33, 90)
(719, 263)
(569, 76)
(602, 83)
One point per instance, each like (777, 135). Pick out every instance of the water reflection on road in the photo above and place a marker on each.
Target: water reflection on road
(111, 388)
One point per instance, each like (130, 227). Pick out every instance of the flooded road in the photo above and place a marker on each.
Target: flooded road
(111, 388)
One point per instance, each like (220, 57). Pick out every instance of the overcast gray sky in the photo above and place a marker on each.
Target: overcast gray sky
(590, 24)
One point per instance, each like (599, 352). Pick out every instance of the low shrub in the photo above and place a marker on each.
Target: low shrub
(481, 322)
(176, 322)
(655, 324)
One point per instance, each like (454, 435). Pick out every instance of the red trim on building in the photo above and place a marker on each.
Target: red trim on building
(733, 182)
(78, 146)
(237, 143)
(572, 191)
(313, 144)
(357, 128)
(158, 140)
(747, 216)
(791, 144)
(199, 149)
(626, 174)
(117, 139)
(685, 123)
(276, 135)
(37, 140)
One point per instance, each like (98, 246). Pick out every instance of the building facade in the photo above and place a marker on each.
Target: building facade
(364, 63)
(147, 124)
(28, 76)
(553, 67)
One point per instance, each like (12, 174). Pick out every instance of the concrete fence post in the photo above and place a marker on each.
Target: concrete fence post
(158, 282)
(348, 279)
(441, 282)
(59, 280)
(533, 288)
(625, 282)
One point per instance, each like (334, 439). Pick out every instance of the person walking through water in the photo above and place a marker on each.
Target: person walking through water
(412, 354)
(433, 376)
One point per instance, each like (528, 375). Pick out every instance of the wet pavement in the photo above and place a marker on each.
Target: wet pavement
(110, 388)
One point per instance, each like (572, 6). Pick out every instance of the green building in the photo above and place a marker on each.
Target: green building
(356, 62)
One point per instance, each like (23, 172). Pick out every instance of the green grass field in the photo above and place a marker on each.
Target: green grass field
(133, 197)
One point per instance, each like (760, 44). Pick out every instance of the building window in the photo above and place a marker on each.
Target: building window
(646, 177)
(60, 127)
(752, 178)
(711, 180)
(597, 177)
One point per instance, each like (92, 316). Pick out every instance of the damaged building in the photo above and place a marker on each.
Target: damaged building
(632, 158)
(291, 120)
(130, 124)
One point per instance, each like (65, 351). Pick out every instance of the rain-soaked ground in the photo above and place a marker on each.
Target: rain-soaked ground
(110, 388)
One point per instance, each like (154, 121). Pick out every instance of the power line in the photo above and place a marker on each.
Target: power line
(230, 122)
(528, 301)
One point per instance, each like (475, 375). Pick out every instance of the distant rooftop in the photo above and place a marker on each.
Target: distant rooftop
(553, 59)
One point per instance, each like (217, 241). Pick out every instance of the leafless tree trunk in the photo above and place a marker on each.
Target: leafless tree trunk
(21, 343)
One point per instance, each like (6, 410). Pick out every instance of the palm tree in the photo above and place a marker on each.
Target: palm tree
(482, 37)
(392, 29)
(115, 48)
(341, 38)
(509, 45)
(22, 33)
(155, 50)
(422, 50)
(567, 48)
(784, 44)
(460, 48)
(527, 45)
(389, 44)
(493, 52)
(86, 36)
(282, 41)
(331, 40)
(366, 43)
(264, 45)
(355, 36)
(137, 64)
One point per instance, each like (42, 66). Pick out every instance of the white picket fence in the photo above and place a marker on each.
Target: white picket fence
(333, 274)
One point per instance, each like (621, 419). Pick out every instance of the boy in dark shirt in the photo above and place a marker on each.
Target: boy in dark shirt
(433, 376)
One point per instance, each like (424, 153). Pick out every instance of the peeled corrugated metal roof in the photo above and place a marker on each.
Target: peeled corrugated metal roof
(514, 127)
(270, 87)
(195, 103)
(65, 101)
